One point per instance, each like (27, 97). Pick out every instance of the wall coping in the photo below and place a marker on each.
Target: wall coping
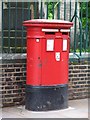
(23, 56)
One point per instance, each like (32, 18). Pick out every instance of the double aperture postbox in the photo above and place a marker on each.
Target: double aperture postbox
(48, 44)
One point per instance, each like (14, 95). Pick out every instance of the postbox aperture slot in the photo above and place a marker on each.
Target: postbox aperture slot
(65, 33)
(50, 45)
(49, 33)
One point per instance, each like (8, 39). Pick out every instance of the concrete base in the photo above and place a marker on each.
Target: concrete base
(77, 109)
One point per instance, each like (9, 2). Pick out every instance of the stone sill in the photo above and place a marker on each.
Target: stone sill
(23, 56)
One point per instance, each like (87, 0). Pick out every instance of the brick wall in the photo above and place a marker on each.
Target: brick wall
(14, 76)
(13, 82)
(79, 80)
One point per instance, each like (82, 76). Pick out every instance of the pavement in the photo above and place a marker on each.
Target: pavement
(76, 109)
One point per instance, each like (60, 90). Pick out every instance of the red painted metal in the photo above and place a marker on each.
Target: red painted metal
(43, 67)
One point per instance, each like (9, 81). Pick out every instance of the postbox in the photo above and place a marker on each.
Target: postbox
(48, 44)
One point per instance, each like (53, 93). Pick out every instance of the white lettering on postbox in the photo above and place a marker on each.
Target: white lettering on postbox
(50, 45)
(64, 45)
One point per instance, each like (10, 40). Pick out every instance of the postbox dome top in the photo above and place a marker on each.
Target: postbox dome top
(45, 22)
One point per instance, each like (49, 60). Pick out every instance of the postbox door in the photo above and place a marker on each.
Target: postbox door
(54, 61)
(34, 62)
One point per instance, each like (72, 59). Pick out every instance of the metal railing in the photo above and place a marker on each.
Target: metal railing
(14, 13)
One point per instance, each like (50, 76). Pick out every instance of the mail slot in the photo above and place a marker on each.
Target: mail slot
(47, 64)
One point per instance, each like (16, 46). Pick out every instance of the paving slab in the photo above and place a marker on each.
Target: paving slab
(76, 109)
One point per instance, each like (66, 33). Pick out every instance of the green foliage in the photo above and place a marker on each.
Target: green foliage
(88, 50)
(50, 8)
(50, 16)
(84, 10)
(85, 14)
(50, 11)
(78, 50)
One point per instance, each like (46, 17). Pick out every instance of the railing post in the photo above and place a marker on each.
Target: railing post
(22, 26)
(1, 25)
(53, 10)
(70, 11)
(29, 10)
(15, 26)
(9, 14)
(64, 9)
(75, 27)
(47, 11)
(58, 12)
(86, 45)
(35, 10)
(41, 11)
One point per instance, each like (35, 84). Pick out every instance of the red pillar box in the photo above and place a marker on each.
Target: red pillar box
(47, 64)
